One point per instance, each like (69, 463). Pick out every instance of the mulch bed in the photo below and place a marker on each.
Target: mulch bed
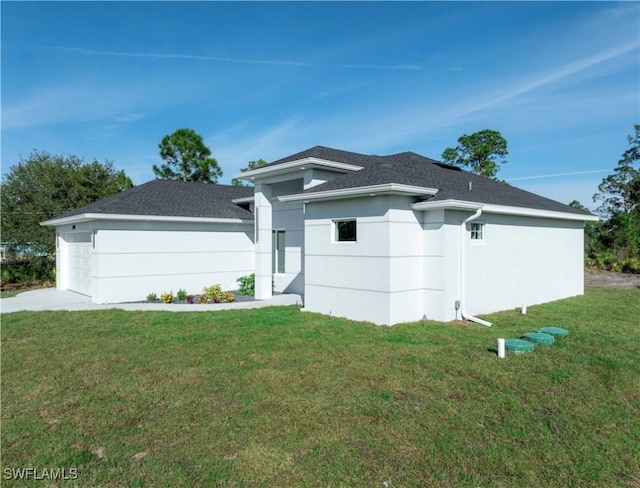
(196, 301)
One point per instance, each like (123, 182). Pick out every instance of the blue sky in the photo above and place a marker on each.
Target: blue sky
(560, 81)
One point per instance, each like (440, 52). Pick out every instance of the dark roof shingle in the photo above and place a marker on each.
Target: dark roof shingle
(330, 154)
(409, 168)
(173, 199)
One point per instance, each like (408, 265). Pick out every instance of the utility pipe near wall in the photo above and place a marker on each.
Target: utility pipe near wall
(465, 315)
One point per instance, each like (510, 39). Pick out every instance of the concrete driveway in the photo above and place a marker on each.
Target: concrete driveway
(52, 299)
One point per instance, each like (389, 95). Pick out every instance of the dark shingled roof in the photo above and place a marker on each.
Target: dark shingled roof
(409, 168)
(173, 199)
(329, 154)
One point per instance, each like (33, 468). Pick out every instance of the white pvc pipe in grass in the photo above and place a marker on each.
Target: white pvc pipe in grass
(501, 349)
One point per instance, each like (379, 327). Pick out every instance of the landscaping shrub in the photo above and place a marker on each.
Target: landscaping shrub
(202, 299)
(213, 293)
(28, 270)
(152, 297)
(613, 262)
(182, 294)
(247, 285)
(631, 265)
(167, 297)
(229, 297)
(189, 298)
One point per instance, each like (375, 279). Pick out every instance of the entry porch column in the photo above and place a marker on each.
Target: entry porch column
(263, 229)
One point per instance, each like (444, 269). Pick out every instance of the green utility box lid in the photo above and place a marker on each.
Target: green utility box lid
(554, 331)
(518, 346)
(539, 338)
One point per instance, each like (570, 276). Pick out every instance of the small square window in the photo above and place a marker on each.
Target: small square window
(477, 231)
(345, 230)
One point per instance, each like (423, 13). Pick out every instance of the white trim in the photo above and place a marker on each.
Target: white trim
(293, 165)
(447, 204)
(73, 219)
(534, 212)
(275, 262)
(250, 199)
(372, 190)
(502, 209)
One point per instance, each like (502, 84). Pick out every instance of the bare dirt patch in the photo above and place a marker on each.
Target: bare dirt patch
(594, 277)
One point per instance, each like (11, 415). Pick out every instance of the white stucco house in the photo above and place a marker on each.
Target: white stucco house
(386, 239)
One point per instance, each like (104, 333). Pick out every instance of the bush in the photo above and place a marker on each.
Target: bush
(213, 293)
(182, 294)
(189, 298)
(229, 297)
(152, 297)
(203, 299)
(247, 285)
(167, 297)
(630, 265)
(617, 263)
(27, 270)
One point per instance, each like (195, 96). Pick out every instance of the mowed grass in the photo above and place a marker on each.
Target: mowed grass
(277, 397)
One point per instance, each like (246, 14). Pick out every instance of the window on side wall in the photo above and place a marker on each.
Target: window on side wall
(277, 251)
(345, 230)
(477, 231)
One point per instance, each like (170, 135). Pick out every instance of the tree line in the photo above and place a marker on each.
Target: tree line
(614, 242)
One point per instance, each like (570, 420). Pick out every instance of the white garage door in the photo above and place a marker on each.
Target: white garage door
(79, 262)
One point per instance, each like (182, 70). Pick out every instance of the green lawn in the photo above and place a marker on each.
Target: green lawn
(275, 397)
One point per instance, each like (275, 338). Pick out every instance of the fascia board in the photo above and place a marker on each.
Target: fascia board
(244, 200)
(447, 204)
(74, 219)
(534, 212)
(294, 165)
(360, 191)
(503, 210)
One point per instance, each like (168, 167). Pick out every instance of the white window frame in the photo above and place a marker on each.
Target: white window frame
(275, 261)
(473, 231)
(334, 231)
(257, 225)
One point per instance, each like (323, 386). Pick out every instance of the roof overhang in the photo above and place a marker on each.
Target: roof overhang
(250, 199)
(503, 210)
(293, 166)
(86, 217)
(361, 191)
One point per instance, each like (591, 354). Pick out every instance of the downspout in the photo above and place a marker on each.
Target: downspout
(465, 315)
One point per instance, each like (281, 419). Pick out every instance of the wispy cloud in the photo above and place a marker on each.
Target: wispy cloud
(224, 59)
(116, 121)
(233, 151)
(427, 114)
(81, 100)
(557, 74)
(581, 190)
(218, 59)
(383, 67)
(557, 175)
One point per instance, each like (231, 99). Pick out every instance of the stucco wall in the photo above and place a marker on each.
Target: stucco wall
(288, 216)
(522, 260)
(131, 260)
(406, 265)
(441, 263)
(373, 279)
